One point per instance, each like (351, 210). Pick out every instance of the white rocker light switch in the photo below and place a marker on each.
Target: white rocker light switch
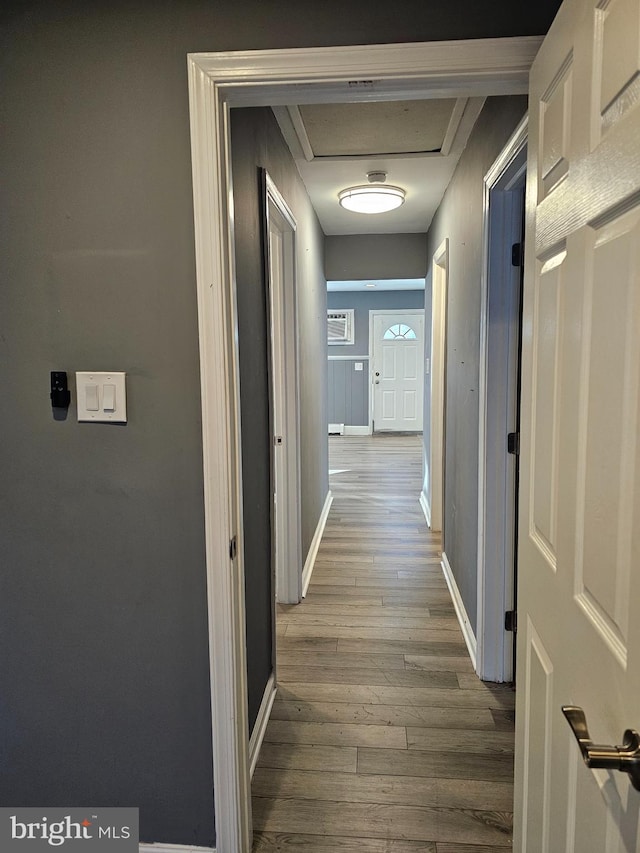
(109, 398)
(91, 398)
(101, 397)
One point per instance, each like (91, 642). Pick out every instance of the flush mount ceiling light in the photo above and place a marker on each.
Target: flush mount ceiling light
(372, 197)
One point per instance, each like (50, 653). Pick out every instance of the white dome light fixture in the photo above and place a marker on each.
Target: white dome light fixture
(372, 197)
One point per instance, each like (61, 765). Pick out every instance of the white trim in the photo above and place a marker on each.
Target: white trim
(217, 332)
(300, 130)
(457, 68)
(437, 377)
(261, 723)
(348, 357)
(284, 400)
(513, 147)
(426, 509)
(454, 123)
(357, 430)
(461, 611)
(173, 848)
(310, 562)
(417, 311)
(336, 429)
(497, 397)
(266, 78)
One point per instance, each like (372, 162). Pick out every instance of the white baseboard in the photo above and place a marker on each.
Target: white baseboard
(336, 429)
(426, 509)
(357, 430)
(461, 612)
(260, 726)
(310, 562)
(174, 848)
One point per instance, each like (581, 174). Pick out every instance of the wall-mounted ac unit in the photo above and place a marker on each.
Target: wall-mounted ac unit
(340, 326)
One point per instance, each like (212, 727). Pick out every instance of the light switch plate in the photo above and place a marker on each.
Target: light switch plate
(87, 381)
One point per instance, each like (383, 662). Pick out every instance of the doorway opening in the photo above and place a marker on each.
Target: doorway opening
(500, 348)
(217, 82)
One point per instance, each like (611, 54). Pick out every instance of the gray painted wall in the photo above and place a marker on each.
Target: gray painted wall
(257, 143)
(355, 257)
(348, 387)
(459, 218)
(104, 665)
(348, 392)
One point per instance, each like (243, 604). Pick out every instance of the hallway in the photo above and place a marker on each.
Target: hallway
(381, 739)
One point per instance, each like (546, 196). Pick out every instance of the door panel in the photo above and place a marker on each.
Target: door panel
(388, 405)
(555, 134)
(389, 363)
(409, 405)
(397, 374)
(607, 444)
(411, 360)
(618, 57)
(579, 547)
(546, 367)
(539, 675)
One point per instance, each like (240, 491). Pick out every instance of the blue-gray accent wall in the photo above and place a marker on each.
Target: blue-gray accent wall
(348, 388)
(348, 392)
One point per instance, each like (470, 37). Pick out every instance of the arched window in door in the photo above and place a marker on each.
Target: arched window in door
(399, 331)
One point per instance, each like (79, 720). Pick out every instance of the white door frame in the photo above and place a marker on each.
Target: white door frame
(373, 312)
(437, 375)
(499, 339)
(283, 377)
(264, 78)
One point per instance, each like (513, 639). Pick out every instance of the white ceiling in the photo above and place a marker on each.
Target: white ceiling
(373, 284)
(417, 143)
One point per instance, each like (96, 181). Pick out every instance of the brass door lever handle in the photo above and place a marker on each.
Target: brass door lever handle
(625, 757)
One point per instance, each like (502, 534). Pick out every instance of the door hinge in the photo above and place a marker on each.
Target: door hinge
(233, 548)
(513, 443)
(511, 621)
(516, 255)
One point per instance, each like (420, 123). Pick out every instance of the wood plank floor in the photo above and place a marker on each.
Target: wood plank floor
(381, 739)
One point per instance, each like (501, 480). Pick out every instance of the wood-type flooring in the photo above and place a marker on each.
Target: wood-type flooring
(382, 739)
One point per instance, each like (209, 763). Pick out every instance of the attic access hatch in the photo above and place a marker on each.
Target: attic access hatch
(376, 129)
(381, 128)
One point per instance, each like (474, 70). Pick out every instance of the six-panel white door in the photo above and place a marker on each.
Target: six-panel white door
(397, 371)
(579, 556)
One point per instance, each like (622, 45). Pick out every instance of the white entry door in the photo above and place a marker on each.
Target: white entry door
(397, 370)
(579, 557)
